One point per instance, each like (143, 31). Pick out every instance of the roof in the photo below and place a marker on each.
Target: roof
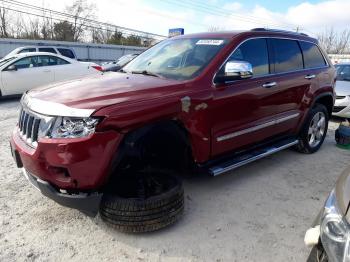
(254, 32)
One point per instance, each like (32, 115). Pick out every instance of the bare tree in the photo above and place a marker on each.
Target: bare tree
(4, 22)
(80, 10)
(214, 28)
(335, 42)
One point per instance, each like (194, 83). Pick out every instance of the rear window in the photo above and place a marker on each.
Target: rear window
(313, 57)
(287, 55)
(66, 52)
(47, 49)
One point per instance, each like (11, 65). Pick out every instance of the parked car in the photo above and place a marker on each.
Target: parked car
(115, 66)
(64, 51)
(329, 235)
(207, 103)
(23, 72)
(342, 90)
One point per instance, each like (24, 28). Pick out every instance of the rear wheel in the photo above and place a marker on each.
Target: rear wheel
(314, 130)
(317, 254)
(143, 202)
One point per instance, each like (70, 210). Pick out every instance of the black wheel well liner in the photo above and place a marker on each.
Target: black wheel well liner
(325, 99)
(126, 147)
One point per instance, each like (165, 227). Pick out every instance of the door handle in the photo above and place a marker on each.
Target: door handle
(269, 84)
(47, 71)
(310, 76)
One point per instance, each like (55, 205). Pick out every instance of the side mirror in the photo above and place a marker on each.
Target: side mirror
(235, 70)
(11, 68)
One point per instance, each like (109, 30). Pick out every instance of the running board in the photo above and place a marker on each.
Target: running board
(246, 158)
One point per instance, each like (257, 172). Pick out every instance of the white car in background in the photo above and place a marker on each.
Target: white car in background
(342, 89)
(64, 51)
(22, 72)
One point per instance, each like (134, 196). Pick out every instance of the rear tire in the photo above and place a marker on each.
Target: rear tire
(314, 130)
(317, 254)
(124, 209)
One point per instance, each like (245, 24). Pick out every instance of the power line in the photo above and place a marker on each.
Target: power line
(63, 20)
(246, 16)
(41, 9)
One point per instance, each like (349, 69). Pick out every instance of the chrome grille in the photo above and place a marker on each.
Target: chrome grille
(28, 125)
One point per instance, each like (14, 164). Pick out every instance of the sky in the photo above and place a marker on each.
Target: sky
(157, 16)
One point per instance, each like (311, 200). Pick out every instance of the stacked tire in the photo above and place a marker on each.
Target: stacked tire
(342, 135)
(137, 215)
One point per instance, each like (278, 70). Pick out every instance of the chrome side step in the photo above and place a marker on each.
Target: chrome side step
(244, 159)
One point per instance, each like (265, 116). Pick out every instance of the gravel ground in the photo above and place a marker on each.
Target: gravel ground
(260, 212)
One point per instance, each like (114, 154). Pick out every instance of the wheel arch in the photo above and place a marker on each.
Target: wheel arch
(129, 145)
(326, 99)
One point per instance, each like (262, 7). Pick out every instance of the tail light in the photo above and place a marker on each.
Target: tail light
(97, 67)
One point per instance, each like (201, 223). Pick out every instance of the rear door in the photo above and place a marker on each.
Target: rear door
(29, 74)
(289, 62)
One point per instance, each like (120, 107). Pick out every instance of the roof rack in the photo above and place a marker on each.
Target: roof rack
(261, 29)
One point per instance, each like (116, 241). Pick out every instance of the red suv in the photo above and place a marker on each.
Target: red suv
(207, 102)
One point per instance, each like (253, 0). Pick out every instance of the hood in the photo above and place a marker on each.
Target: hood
(342, 88)
(342, 191)
(102, 90)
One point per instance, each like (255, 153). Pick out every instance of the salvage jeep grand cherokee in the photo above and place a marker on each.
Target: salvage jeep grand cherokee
(207, 102)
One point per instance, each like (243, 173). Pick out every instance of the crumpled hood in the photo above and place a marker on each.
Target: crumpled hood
(103, 90)
(342, 191)
(342, 88)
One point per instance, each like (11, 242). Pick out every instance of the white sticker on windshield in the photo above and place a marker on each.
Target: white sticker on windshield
(210, 42)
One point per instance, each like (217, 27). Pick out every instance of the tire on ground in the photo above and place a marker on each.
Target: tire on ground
(134, 215)
(317, 254)
(303, 145)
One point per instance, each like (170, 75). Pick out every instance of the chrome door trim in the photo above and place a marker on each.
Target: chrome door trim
(256, 128)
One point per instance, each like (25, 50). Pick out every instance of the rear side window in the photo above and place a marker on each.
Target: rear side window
(66, 52)
(47, 49)
(287, 55)
(256, 53)
(27, 50)
(313, 57)
(51, 61)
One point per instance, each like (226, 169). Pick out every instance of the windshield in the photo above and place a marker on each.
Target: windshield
(124, 60)
(179, 59)
(4, 61)
(343, 72)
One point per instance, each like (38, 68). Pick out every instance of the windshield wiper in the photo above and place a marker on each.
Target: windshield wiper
(146, 73)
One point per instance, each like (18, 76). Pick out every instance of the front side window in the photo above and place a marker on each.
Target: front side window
(287, 55)
(178, 59)
(256, 53)
(27, 62)
(313, 57)
(343, 72)
(47, 49)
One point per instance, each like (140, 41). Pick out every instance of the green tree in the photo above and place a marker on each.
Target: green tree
(63, 31)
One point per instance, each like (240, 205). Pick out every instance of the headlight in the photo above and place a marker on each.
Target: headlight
(72, 127)
(335, 235)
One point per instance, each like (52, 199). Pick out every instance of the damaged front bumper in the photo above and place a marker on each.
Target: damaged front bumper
(88, 203)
